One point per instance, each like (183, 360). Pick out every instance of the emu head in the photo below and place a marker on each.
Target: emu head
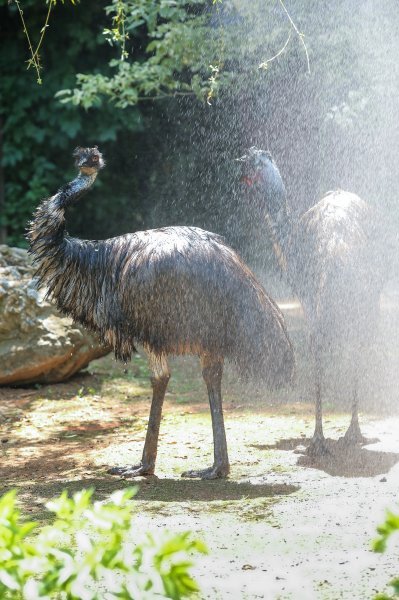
(262, 180)
(88, 160)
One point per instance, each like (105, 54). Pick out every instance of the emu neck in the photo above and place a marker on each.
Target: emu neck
(278, 219)
(49, 245)
(47, 230)
(71, 192)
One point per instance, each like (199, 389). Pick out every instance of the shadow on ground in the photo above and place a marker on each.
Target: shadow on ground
(154, 493)
(341, 461)
(175, 490)
(166, 490)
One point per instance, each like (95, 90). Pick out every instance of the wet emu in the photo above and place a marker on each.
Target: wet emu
(176, 290)
(329, 257)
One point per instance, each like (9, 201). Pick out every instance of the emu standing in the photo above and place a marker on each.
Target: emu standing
(329, 260)
(176, 290)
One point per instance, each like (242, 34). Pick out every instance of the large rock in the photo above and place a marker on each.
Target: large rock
(37, 344)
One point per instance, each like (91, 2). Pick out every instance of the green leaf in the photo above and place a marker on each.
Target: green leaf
(8, 581)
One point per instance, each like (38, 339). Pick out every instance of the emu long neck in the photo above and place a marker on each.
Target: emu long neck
(49, 245)
(278, 216)
(47, 230)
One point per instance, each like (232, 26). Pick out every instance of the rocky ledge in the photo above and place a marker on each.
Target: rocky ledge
(37, 343)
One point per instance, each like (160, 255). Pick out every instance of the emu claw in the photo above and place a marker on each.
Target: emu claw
(318, 447)
(215, 472)
(135, 471)
(356, 439)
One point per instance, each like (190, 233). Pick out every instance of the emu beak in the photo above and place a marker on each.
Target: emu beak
(89, 170)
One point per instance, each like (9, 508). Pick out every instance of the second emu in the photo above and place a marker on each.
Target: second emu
(330, 257)
(176, 290)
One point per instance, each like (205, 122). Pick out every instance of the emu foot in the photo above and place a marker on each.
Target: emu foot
(135, 471)
(214, 472)
(318, 447)
(354, 437)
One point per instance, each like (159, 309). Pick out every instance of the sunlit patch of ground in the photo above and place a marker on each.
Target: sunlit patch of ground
(282, 526)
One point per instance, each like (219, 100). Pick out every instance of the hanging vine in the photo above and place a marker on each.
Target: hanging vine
(118, 32)
(34, 60)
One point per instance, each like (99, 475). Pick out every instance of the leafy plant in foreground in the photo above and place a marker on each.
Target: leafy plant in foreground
(91, 551)
(385, 530)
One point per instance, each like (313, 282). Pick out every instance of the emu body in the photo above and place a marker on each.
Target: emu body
(328, 255)
(176, 290)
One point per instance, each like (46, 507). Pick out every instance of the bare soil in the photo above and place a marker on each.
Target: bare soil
(282, 525)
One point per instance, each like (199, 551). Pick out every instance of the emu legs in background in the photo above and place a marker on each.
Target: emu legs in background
(159, 382)
(212, 370)
(318, 444)
(353, 435)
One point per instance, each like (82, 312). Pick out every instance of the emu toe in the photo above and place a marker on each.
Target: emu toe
(214, 472)
(135, 471)
(354, 437)
(318, 447)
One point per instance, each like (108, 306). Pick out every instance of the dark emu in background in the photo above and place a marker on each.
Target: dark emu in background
(176, 290)
(329, 257)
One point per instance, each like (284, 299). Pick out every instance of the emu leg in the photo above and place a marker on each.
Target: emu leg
(159, 382)
(318, 443)
(354, 436)
(212, 373)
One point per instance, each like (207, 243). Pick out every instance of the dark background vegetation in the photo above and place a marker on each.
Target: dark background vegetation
(170, 160)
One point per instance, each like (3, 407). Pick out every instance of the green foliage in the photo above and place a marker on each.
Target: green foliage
(385, 530)
(165, 48)
(169, 162)
(90, 549)
(389, 527)
(39, 133)
(178, 50)
(187, 51)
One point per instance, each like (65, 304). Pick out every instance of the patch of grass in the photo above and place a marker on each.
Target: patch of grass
(254, 509)
(280, 469)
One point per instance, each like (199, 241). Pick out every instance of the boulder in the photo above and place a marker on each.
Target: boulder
(37, 343)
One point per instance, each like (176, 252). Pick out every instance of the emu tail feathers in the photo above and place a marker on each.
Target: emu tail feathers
(263, 352)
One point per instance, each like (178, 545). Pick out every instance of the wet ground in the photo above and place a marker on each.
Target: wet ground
(282, 526)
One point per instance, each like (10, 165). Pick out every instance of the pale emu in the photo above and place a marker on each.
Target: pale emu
(329, 257)
(176, 290)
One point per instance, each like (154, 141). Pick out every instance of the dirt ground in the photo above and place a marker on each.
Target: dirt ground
(281, 526)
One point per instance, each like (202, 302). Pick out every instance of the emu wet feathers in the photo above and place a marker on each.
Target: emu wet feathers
(176, 290)
(333, 254)
(330, 257)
